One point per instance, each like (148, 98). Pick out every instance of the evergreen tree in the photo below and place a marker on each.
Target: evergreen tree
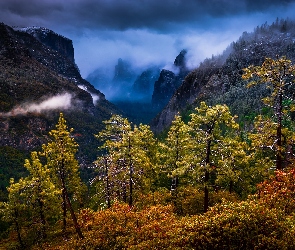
(278, 75)
(32, 201)
(207, 133)
(60, 155)
(176, 153)
(129, 151)
(233, 164)
(15, 211)
(40, 193)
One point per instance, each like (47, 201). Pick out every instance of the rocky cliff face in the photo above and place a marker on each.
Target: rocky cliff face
(169, 81)
(218, 80)
(61, 44)
(123, 72)
(39, 79)
(143, 86)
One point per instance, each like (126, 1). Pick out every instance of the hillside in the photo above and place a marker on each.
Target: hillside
(218, 79)
(39, 79)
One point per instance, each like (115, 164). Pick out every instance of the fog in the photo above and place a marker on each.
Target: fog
(58, 102)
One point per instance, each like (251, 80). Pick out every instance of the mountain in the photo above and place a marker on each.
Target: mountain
(140, 93)
(52, 40)
(116, 83)
(129, 88)
(124, 72)
(39, 79)
(169, 81)
(137, 106)
(218, 79)
(143, 87)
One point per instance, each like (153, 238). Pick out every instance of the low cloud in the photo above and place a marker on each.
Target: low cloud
(95, 97)
(61, 102)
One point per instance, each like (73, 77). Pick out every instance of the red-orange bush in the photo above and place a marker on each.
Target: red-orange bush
(279, 191)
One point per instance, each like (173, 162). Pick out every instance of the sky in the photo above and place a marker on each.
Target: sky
(145, 32)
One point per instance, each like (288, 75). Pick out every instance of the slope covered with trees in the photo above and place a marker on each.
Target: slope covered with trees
(209, 184)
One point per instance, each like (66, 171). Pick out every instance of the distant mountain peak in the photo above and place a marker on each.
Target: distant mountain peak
(169, 81)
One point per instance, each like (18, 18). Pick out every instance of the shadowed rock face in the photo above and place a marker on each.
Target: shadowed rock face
(164, 88)
(168, 81)
(143, 86)
(61, 44)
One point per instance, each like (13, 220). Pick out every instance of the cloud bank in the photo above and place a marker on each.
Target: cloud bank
(145, 31)
(62, 102)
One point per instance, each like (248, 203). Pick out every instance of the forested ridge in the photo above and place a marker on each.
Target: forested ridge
(218, 80)
(209, 183)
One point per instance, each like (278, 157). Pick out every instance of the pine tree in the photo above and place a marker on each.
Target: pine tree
(128, 150)
(233, 163)
(60, 155)
(32, 201)
(207, 125)
(40, 192)
(278, 75)
(15, 210)
(176, 152)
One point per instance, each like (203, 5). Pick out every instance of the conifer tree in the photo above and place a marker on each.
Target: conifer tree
(278, 75)
(60, 155)
(176, 152)
(15, 211)
(207, 135)
(128, 149)
(40, 192)
(233, 163)
(32, 201)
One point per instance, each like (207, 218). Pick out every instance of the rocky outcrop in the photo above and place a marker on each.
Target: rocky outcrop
(180, 62)
(164, 88)
(169, 81)
(143, 86)
(61, 44)
(123, 72)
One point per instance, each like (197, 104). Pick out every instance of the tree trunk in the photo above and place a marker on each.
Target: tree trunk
(107, 184)
(74, 218)
(124, 193)
(130, 185)
(279, 158)
(206, 180)
(231, 184)
(18, 230)
(42, 217)
(64, 209)
(130, 175)
(68, 202)
(206, 192)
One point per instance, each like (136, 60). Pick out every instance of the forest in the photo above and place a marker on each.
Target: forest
(208, 182)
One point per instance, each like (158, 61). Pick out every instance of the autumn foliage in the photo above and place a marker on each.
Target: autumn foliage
(231, 225)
